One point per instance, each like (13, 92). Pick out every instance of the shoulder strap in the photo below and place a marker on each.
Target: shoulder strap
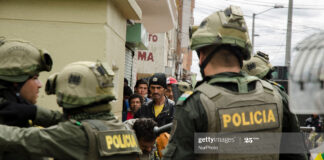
(92, 151)
(89, 126)
(208, 90)
(266, 85)
(242, 82)
(97, 124)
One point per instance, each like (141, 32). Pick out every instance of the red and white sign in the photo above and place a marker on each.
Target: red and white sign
(152, 60)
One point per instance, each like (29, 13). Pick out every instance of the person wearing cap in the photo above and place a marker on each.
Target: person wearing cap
(160, 109)
(84, 90)
(259, 66)
(141, 88)
(168, 91)
(228, 100)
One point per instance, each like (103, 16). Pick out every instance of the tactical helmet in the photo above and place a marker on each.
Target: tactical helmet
(19, 60)
(306, 80)
(81, 84)
(223, 27)
(184, 86)
(258, 65)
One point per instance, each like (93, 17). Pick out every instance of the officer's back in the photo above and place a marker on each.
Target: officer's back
(227, 100)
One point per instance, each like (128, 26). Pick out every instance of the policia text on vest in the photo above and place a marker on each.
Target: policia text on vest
(249, 118)
(120, 141)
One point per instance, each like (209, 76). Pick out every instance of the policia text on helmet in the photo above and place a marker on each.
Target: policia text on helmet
(222, 30)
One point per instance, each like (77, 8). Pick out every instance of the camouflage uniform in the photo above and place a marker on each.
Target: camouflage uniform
(83, 89)
(220, 96)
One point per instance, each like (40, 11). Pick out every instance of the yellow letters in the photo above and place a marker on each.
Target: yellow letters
(245, 123)
(264, 116)
(271, 116)
(257, 121)
(115, 141)
(226, 119)
(251, 117)
(120, 141)
(127, 140)
(133, 141)
(236, 119)
(248, 118)
(109, 141)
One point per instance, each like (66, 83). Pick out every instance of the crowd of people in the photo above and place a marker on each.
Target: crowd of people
(234, 86)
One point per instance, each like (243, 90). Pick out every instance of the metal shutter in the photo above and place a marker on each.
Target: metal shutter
(128, 66)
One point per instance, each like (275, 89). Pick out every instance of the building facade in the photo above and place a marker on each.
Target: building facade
(77, 30)
(183, 52)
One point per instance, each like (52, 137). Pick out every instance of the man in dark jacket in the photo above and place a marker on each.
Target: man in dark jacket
(160, 109)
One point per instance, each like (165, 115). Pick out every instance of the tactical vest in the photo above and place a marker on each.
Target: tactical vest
(260, 110)
(110, 140)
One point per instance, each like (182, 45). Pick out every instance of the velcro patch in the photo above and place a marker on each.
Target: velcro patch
(117, 142)
(249, 118)
(185, 95)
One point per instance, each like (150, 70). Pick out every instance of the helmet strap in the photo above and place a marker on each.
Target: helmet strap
(206, 61)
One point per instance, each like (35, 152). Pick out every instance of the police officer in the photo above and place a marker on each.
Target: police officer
(222, 43)
(84, 90)
(20, 65)
(259, 66)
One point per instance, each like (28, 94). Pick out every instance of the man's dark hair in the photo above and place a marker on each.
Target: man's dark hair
(141, 81)
(126, 81)
(133, 96)
(127, 91)
(144, 129)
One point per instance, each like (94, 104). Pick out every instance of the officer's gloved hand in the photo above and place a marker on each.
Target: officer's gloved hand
(16, 114)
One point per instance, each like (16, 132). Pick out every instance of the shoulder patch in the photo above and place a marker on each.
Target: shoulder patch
(278, 85)
(183, 97)
(75, 122)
